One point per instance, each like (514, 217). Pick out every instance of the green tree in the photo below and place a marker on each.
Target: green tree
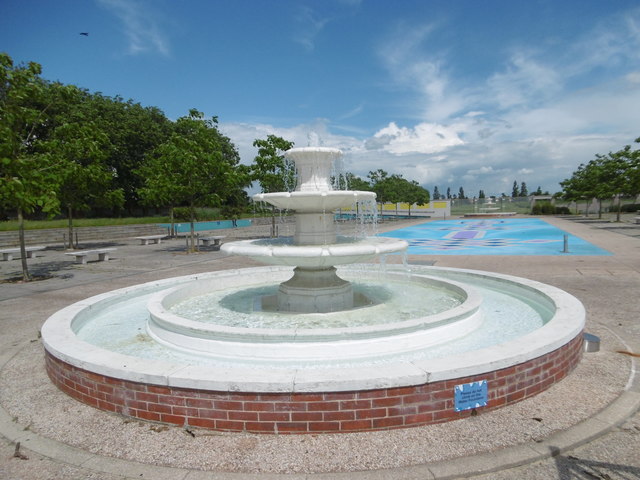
(414, 193)
(523, 190)
(461, 194)
(196, 166)
(622, 173)
(514, 191)
(436, 193)
(377, 180)
(272, 170)
(28, 176)
(353, 182)
(395, 189)
(581, 185)
(607, 176)
(133, 131)
(76, 140)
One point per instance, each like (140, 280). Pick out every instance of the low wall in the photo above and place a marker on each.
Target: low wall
(58, 236)
(328, 412)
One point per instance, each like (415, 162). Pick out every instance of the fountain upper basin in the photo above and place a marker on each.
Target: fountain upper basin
(315, 201)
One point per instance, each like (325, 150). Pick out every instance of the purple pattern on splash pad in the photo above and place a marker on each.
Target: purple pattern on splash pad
(465, 234)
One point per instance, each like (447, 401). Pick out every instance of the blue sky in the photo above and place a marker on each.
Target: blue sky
(472, 93)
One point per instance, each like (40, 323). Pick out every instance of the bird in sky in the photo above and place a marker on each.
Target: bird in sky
(86, 34)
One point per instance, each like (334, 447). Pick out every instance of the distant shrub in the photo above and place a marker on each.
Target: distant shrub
(546, 208)
(630, 207)
(183, 214)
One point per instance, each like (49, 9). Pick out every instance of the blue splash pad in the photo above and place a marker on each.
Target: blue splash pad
(515, 236)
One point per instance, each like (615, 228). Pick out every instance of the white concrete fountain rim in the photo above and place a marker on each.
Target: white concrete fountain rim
(160, 302)
(300, 346)
(293, 151)
(60, 341)
(283, 251)
(315, 201)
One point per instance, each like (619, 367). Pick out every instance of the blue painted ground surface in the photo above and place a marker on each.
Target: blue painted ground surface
(183, 227)
(491, 237)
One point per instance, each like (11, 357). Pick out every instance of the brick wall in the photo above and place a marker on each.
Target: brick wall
(324, 412)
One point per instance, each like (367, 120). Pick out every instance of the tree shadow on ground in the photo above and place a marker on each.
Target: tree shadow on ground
(98, 244)
(42, 271)
(574, 468)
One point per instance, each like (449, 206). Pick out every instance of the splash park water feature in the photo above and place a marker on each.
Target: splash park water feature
(320, 341)
(514, 236)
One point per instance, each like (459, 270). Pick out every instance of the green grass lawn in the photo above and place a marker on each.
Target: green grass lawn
(81, 222)
(11, 225)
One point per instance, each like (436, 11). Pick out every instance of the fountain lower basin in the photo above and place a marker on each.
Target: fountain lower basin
(313, 346)
(319, 388)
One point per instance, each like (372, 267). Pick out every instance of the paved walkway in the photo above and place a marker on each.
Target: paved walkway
(605, 444)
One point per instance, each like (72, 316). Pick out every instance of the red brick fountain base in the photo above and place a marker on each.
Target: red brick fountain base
(316, 412)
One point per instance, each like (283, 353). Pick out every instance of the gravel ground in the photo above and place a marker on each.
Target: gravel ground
(28, 396)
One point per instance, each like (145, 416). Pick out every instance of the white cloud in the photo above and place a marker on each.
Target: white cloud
(481, 171)
(612, 43)
(403, 55)
(534, 120)
(308, 25)
(423, 138)
(633, 77)
(525, 81)
(141, 26)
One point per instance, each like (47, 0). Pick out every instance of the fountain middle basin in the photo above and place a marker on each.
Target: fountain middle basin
(146, 362)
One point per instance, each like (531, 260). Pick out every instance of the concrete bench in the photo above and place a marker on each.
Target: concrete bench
(7, 253)
(215, 239)
(81, 255)
(145, 240)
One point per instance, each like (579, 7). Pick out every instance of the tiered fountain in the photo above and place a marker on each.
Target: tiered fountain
(315, 249)
(310, 344)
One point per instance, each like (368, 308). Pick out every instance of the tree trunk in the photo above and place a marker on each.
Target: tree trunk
(23, 251)
(618, 210)
(192, 247)
(70, 227)
(172, 221)
(273, 221)
(599, 208)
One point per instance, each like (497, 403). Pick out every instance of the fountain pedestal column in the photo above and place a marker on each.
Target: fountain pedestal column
(315, 290)
(315, 228)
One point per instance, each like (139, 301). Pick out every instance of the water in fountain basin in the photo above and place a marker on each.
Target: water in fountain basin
(395, 302)
(121, 327)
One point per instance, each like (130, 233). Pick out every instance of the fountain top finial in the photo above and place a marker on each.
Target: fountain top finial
(313, 166)
(313, 192)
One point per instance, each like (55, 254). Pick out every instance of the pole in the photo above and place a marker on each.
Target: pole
(566, 244)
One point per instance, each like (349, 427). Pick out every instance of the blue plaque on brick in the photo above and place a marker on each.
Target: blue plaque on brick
(470, 395)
